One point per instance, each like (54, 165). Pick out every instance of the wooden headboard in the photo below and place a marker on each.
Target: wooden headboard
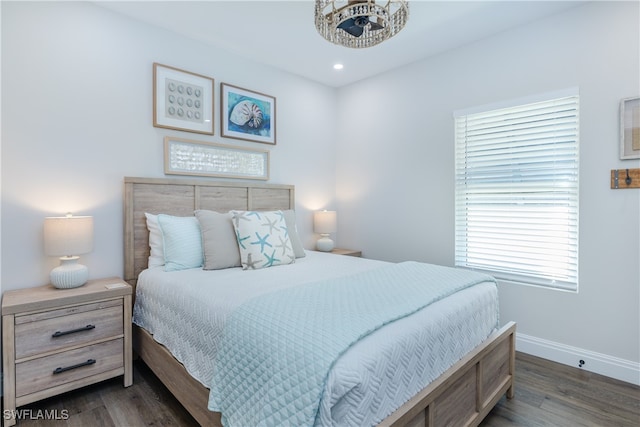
(181, 197)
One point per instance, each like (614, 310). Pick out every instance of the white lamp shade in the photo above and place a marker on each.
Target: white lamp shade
(325, 222)
(68, 236)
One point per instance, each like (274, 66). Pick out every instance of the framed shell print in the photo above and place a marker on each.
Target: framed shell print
(182, 100)
(247, 115)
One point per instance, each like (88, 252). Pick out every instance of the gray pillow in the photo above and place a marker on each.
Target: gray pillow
(219, 242)
(290, 220)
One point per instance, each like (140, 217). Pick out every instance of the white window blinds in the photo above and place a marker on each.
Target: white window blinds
(516, 212)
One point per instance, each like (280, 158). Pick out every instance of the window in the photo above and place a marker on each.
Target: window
(516, 208)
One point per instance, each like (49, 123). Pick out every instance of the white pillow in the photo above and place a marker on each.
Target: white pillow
(182, 242)
(156, 255)
(262, 239)
(296, 243)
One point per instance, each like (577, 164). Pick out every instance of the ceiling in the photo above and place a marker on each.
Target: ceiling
(282, 33)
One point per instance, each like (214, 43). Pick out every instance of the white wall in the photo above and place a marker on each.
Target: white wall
(396, 166)
(77, 118)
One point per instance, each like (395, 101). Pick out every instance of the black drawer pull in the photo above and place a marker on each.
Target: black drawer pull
(79, 365)
(73, 331)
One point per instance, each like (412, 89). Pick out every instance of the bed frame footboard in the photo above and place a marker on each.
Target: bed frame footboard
(461, 396)
(466, 392)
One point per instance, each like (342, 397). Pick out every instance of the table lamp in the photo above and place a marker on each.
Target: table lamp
(324, 223)
(68, 237)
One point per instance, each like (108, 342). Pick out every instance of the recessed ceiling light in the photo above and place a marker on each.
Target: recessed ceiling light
(338, 66)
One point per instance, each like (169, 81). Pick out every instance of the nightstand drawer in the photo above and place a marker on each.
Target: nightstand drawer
(59, 329)
(61, 368)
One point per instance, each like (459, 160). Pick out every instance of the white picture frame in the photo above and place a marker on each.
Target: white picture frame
(182, 100)
(630, 128)
(198, 158)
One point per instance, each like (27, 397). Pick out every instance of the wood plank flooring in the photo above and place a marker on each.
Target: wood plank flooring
(551, 394)
(547, 394)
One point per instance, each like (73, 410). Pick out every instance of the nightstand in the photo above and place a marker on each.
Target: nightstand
(347, 252)
(57, 340)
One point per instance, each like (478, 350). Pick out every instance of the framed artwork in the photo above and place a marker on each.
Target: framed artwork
(630, 128)
(247, 115)
(187, 157)
(182, 100)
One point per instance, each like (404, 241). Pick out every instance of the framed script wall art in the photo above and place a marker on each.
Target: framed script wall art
(187, 157)
(630, 128)
(247, 115)
(182, 100)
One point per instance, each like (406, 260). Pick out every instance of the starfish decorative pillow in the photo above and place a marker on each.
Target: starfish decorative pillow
(263, 239)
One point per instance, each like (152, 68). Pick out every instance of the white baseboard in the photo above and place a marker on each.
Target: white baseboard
(599, 363)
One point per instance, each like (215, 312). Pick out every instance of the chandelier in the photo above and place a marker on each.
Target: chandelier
(360, 23)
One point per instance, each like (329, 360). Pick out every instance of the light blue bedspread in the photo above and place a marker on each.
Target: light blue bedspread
(277, 349)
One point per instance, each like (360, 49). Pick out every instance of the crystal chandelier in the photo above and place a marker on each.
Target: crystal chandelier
(360, 23)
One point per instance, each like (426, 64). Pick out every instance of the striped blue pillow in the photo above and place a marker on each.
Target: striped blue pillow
(182, 242)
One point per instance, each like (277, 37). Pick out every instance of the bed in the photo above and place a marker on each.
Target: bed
(462, 394)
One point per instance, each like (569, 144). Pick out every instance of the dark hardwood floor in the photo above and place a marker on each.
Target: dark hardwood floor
(551, 394)
(547, 394)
